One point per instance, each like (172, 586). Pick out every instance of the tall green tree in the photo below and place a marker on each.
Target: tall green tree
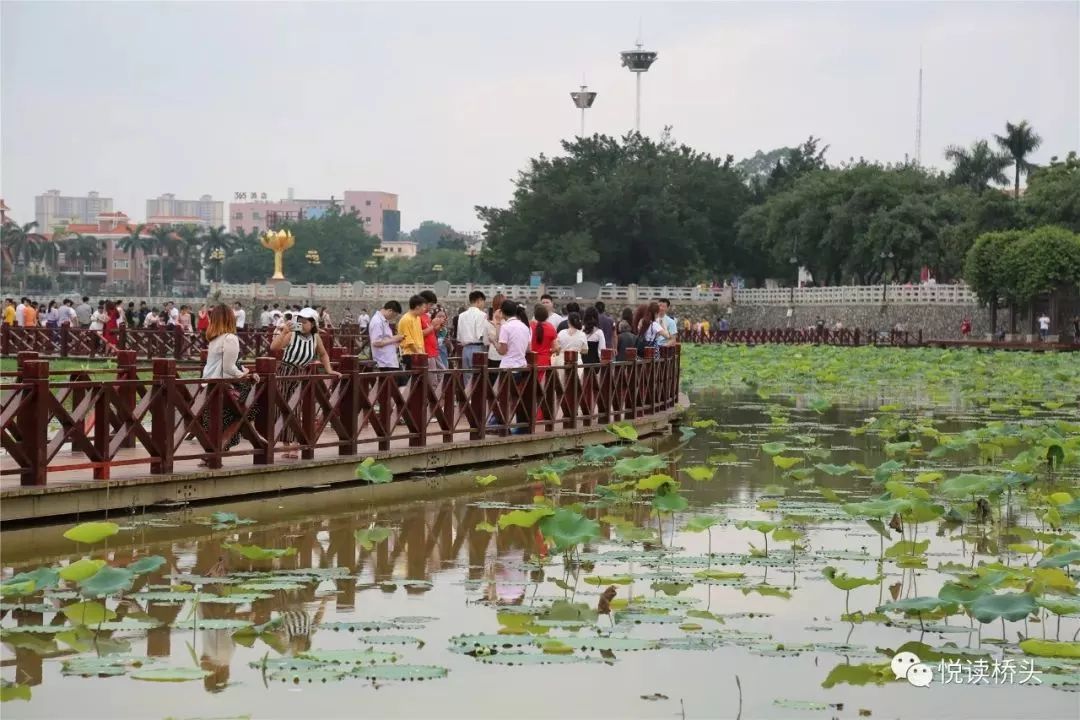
(431, 233)
(1018, 142)
(83, 251)
(1053, 194)
(978, 166)
(20, 241)
(136, 241)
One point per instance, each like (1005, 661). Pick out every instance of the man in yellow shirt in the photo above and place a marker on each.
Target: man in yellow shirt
(9, 312)
(412, 347)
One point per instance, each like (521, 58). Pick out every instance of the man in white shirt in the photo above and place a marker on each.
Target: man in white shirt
(1044, 326)
(265, 319)
(275, 316)
(384, 343)
(83, 312)
(172, 315)
(553, 317)
(67, 315)
(241, 317)
(364, 320)
(20, 312)
(472, 328)
(668, 323)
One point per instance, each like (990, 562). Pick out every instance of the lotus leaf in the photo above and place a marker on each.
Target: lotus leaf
(485, 527)
(835, 470)
(656, 483)
(700, 473)
(846, 582)
(1050, 648)
(609, 579)
(598, 454)
(87, 613)
(718, 575)
(213, 624)
(966, 486)
(350, 657)
(907, 548)
(92, 532)
(254, 552)
(639, 465)
(524, 518)
(1011, 606)
(392, 640)
(109, 665)
(13, 691)
(146, 564)
(918, 605)
(485, 480)
(774, 448)
(169, 674)
(373, 472)
(401, 672)
(81, 569)
(623, 431)
(17, 587)
(1059, 605)
(784, 462)
(700, 523)
(107, 581)
(844, 674)
(670, 502)
(370, 537)
(523, 658)
(1061, 560)
(360, 625)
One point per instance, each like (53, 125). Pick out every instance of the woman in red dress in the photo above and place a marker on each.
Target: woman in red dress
(112, 323)
(540, 342)
(202, 321)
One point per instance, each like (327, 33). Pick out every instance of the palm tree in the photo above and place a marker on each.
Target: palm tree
(215, 238)
(20, 241)
(190, 239)
(1017, 142)
(132, 244)
(978, 166)
(84, 250)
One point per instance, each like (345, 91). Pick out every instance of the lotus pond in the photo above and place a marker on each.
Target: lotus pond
(819, 513)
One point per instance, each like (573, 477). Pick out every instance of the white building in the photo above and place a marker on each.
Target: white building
(209, 210)
(398, 248)
(53, 209)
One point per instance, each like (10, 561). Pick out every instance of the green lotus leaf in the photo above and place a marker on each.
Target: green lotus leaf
(762, 526)
(87, 613)
(566, 529)
(370, 537)
(254, 552)
(525, 518)
(213, 624)
(360, 626)
(529, 658)
(886, 470)
(1059, 605)
(639, 465)
(918, 605)
(1050, 648)
(81, 569)
(906, 548)
(169, 674)
(623, 430)
(372, 472)
(787, 534)
(17, 587)
(598, 454)
(655, 483)
(92, 532)
(147, 564)
(835, 470)
(700, 523)
(875, 508)
(376, 639)
(169, 597)
(609, 579)
(109, 665)
(845, 674)
(1057, 561)
(485, 480)
(485, 527)
(718, 575)
(967, 485)
(401, 672)
(844, 581)
(774, 448)
(107, 581)
(1011, 606)
(670, 502)
(351, 657)
(700, 473)
(784, 462)
(13, 691)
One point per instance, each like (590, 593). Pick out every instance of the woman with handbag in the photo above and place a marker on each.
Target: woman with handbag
(223, 361)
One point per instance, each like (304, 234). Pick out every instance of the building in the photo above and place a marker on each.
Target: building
(114, 266)
(377, 210)
(53, 209)
(398, 248)
(206, 208)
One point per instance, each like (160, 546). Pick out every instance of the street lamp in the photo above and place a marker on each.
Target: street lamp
(437, 268)
(583, 100)
(312, 256)
(217, 256)
(884, 257)
(638, 62)
(472, 252)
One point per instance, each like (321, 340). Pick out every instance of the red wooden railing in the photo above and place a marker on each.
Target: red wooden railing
(105, 422)
(169, 342)
(792, 336)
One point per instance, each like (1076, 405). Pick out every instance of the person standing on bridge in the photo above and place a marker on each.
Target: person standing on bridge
(299, 348)
(384, 342)
(223, 361)
(553, 317)
(668, 322)
(410, 328)
(84, 312)
(472, 329)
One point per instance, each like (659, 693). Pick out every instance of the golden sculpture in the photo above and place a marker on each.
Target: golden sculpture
(279, 242)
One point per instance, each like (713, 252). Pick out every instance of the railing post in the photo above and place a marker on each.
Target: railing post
(5, 339)
(266, 420)
(630, 408)
(649, 381)
(571, 390)
(163, 415)
(65, 339)
(478, 396)
(416, 405)
(530, 397)
(33, 423)
(121, 340)
(177, 343)
(604, 386)
(24, 357)
(349, 367)
(127, 369)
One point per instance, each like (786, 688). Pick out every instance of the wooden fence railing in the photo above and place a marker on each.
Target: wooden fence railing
(171, 342)
(105, 422)
(792, 336)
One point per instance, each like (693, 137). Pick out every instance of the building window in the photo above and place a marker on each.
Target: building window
(367, 219)
(368, 203)
(256, 215)
(104, 264)
(238, 215)
(120, 264)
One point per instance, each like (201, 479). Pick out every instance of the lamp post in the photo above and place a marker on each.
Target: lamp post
(217, 256)
(884, 284)
(472, 252)
(149, 274)
(583, 99)
(795, 266)
(437, 268)
(638, 62)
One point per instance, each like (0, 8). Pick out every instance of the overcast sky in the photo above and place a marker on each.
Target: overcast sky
(443, 103)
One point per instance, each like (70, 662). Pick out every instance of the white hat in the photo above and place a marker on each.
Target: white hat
(310, 314)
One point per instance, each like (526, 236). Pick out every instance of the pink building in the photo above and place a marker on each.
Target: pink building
(378, 210)
(114, 266)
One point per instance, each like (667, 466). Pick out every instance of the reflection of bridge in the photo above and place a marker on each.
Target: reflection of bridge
(113, 438)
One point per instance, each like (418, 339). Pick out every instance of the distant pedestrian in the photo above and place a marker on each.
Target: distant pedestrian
(626, 340)
(965, 327)
(1044, 327)
(472, 329)
(384, 341)
(241, 316)
(67, 315)
(607, 324)
(83, 311)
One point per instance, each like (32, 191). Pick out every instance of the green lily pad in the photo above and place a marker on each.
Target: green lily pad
(107, 581)
(351, 657)
(639, 466)
(92, 532)
(599, 454)
(387, 673)
(81, 569)
(370, 537)
(623, 430)
(146, 564)
(87, 613)
(213, 624)
(372, 472)
(359, 626)
(1011, 606)
(254, 552)
(1050, 648)
(169, 674)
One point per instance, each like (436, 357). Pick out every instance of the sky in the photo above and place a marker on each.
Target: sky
(444, 103)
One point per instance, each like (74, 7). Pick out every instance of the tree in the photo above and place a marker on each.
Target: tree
(626, 211)
(189, 242)
(430, 233)
(978, 166)
(985, 271)
(133, 243)
(1018, 142)
(83, 250)
(1053, 194)
(20, 240)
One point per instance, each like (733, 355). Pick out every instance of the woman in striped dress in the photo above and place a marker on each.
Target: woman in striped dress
(299, 348)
